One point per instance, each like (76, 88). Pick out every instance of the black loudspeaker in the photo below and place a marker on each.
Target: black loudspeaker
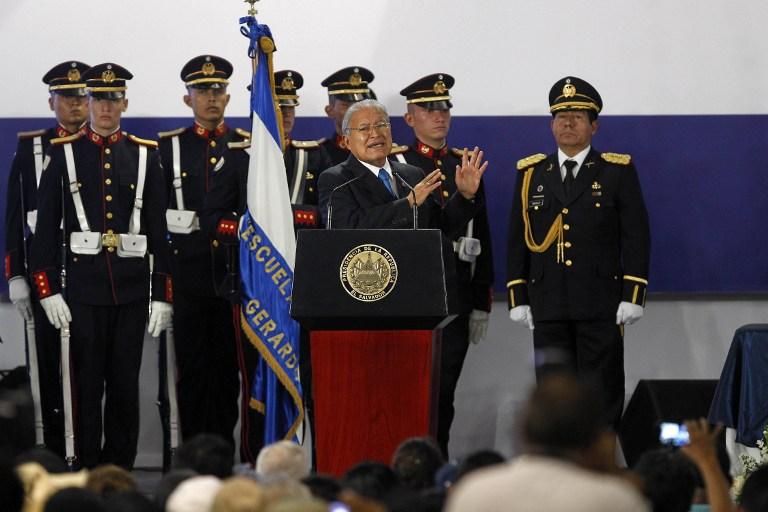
(655, 401)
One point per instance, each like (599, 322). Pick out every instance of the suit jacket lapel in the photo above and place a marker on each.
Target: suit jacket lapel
(552, 178)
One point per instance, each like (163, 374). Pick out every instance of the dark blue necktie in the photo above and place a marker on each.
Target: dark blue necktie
(569, 177)
(384, 177)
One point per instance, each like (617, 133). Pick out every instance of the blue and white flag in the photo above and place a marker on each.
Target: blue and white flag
(267, 253)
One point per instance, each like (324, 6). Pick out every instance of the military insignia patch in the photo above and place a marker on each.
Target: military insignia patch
(368, 273)
(73, 75)
(108, 76)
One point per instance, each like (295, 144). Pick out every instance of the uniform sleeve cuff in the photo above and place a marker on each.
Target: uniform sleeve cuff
(45, 285)
(634, 289)
(517, 293)
(162, 287)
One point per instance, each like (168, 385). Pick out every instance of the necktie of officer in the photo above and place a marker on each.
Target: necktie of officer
(384, 177)
(569, 177)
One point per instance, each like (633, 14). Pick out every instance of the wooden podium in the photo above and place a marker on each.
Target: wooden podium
(373, 301)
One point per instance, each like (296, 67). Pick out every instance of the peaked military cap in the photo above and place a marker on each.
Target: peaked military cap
(66, 78)
(349, 84)
(572, 93)
(107, 81)
(430, 92)
(206, 72)
(287, 82)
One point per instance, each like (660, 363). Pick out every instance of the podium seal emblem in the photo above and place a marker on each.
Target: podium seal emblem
(368, 273)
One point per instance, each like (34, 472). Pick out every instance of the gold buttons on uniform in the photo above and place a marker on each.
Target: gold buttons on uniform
(107, 151)
(311, 189)
(132, 186)
(566, 227)
(535, 207)
(597, 205)
(440, 163)
(213, 143)
(565, 211)
(79, 185)
(175, 251)
(109, 215)
(568, 263)
(107, 181)
(184, 174)
(111, 249)
(568, 245)
(107, 165)
(108, 198)
(213, 160)
(215, 243)
(445, 193)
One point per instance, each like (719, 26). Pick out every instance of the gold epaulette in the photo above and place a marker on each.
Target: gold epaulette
(171, 133)
(398, 149)
(305, 144)
(460, 152)
(616, 158)
(528, 161)
(243, 144)
(143, 142)
(243, 133)
(33, 133)
(68, 138)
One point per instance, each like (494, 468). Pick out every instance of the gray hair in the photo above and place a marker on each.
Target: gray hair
(282, 459)
(362, 105)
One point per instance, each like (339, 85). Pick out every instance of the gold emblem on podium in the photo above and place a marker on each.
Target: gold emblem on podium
(368, 273)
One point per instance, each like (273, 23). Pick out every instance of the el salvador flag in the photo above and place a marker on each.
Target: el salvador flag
(267, 253)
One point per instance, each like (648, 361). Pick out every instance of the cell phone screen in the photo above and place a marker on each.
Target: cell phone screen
(674, 434)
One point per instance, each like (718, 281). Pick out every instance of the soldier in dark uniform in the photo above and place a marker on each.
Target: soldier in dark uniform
(345, 87)
(304, 159)
(69, 103)
(579, 246)
(114, 202)
(204, 327)
(429, 114)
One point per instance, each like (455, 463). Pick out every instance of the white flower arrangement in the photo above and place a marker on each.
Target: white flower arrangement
(750, 465)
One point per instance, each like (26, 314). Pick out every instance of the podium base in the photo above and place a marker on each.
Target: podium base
(372, 390)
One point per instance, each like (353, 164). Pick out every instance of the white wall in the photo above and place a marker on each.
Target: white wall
(681, 339)
(650, 57)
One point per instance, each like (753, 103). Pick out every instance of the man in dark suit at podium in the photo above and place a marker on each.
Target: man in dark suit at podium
(367, 191)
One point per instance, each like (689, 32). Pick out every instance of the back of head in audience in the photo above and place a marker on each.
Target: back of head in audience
(283, 459)
(109, 479)
(416, 461)
(129, 501)
(284, 488)
(239, 494)
(52, 462)
(206, 454)
(195, 494)
(477, 460)
(74, 499)
(298, 505)
(373, 480)
(563, 419)
(324, 487)
(754, 494)
(168, 484)
(669, 479)
(11, 489)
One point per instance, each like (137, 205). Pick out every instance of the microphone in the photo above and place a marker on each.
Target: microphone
(413, 192)
(330, 199)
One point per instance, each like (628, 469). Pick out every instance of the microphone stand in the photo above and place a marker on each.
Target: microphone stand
(329, 209)
(415, 207)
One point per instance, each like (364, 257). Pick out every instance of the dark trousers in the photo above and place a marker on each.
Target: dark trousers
(48, 345)
(453, 351)
(594, 349)
(207, 363)
(106, 345)
(251, 417)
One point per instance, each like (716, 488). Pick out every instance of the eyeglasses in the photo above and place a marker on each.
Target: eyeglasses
(368, 129)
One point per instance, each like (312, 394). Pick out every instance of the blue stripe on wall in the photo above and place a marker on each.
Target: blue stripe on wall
(703, 179)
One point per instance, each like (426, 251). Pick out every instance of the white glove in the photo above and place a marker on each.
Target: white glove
(478, 325)
(18, 292)
(522, 315)
(628, 313)
(56, 310)
(159, 318)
